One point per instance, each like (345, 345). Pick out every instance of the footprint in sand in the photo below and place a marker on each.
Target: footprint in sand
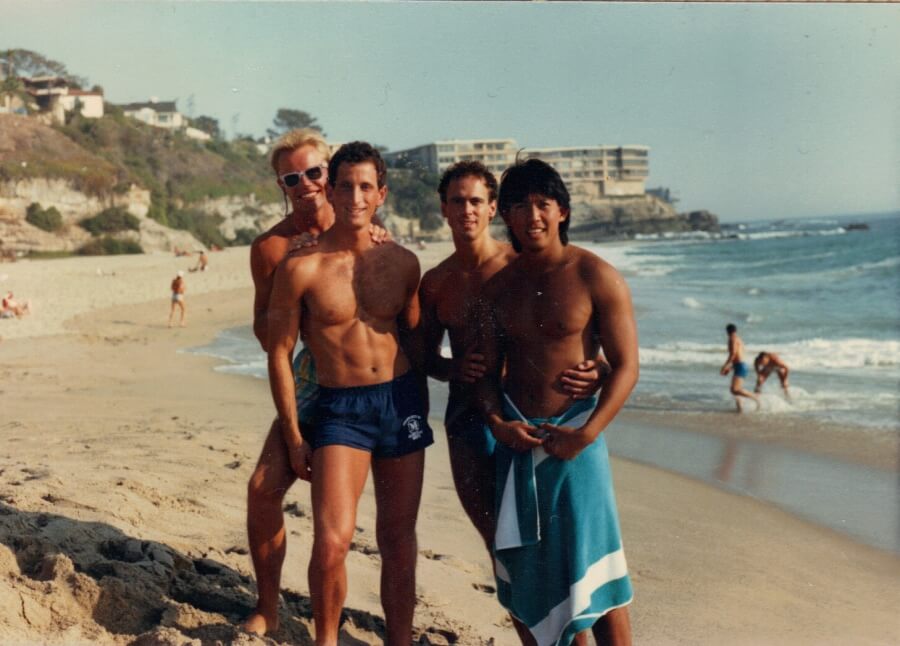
(363, 548)
(487, 589)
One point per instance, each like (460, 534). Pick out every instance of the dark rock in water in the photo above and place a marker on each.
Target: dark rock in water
(857, 226)
(626, 217)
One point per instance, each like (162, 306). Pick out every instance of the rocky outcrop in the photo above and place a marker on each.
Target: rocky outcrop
(73, 205)
(241, 213)
(626, 217)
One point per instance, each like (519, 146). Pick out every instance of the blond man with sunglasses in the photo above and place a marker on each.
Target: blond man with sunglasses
(300, 161)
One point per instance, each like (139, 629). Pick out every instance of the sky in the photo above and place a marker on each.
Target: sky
(750, 110)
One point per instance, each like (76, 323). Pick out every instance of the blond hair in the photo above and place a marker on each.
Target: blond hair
(294, 139)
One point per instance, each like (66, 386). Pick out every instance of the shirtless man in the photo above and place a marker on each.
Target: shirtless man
(735, 361)
(557, 542)
(352, 299)
(300, 162)
(767, 362)
(448, 294)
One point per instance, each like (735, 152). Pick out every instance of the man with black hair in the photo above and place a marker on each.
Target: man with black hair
(559, 563)
(352, 299)
(735, 362)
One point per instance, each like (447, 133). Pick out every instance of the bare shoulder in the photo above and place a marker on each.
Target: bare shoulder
(270, 246)
(592, 266)
(301, 261)
(604, 279)
(437, 276)
(398, 254)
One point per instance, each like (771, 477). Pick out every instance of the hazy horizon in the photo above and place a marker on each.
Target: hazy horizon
(755, 111)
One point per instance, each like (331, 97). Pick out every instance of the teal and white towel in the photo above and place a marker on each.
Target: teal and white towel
(558, 550)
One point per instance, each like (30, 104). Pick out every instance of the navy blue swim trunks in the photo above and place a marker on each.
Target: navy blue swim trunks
(465, 421)
(389, 420)
(741, 370)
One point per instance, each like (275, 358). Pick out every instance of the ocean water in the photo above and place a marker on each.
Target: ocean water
(821, 296)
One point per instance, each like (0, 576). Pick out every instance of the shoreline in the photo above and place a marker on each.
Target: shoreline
(113, 436)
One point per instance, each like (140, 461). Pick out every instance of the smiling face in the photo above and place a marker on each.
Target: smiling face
(356, 195)
(307, 195)
(468, 208)
(535, 222)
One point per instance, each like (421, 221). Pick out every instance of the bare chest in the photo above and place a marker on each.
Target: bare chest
(457, 301)
(370, 289)
(550, 308)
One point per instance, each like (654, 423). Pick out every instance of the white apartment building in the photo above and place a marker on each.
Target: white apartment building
(496, 154)
(588, 171)
(598, 171)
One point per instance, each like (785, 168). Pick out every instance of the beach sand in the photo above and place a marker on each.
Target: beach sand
(123, 473)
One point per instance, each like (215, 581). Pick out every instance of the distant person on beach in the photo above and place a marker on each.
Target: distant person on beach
(353, 299)
(560, 567)
(202, 262)
(178, 289)
(449, 293)
(735, 362)
(299, 160)
(766, 363)
(13, 308)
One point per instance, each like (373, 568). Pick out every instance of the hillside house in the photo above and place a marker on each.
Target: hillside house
(52, 95)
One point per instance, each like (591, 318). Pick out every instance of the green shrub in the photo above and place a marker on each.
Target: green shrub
(111, 220)
(107, 246)
(244, 236)
(204, 227)
(46, 219)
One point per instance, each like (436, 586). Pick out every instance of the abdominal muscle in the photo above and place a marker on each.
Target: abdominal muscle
(532, 378)
(356, 353)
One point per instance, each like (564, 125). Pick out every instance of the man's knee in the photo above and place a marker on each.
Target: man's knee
(263, 489)
(396, 540)
(330, 549)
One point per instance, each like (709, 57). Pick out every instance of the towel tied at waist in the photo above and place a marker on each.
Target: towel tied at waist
(558, 551)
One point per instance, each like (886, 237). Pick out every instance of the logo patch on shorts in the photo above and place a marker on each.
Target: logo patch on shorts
(413, 426)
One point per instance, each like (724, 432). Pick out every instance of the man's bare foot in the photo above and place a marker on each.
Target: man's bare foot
(258, 625)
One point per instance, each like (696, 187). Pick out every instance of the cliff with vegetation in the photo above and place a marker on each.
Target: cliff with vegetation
(183, 193)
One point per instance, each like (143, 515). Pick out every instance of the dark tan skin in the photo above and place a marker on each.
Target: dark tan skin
(449, 295)
(311, 215)
(765, 365)
(352, 299)
(549, 308)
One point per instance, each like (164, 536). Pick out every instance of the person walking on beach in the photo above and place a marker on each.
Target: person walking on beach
(448, 294)
(178, 289)
(299, 160)
(764, 364)
(735, 362)
(559, 563)
(353, 298)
